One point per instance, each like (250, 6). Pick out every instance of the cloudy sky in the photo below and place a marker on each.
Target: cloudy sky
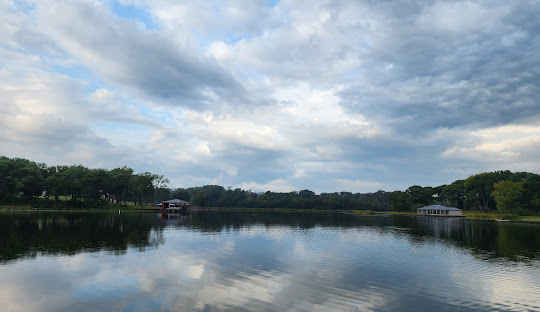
(274, 95)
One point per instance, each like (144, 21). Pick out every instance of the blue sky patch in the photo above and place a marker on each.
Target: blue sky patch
(133, 13)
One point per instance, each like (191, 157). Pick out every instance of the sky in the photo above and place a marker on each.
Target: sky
(332, 95)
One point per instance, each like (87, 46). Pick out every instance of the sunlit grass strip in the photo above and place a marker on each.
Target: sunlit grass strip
(62, 198)
(15, 207)
(363, 212)
(491, 215)
(530, 218)
(275, 209)
(61, 206)
(405, 213)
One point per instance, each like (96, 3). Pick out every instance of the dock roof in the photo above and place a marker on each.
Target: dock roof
(438, 207)
(175, 201)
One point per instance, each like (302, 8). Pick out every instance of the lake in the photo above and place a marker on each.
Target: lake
(266, 261)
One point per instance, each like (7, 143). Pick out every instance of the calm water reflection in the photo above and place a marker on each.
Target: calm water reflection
(262, 261)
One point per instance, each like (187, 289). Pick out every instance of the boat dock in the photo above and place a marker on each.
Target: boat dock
(175, 206)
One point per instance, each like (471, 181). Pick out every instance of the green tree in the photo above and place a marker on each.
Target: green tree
(306, 194)
(181, 194)
(77, 181)
(214, 193)
(200, 199)
(118, 182)
(508, 194)
(142, 186)
(420, 196)
(478, 191)
(480, 186)
(56, 183)
(20, 178)
(453, 194)
(531, 193)
(162, 193)
(97, 183)
(400, 201)
(232, 198)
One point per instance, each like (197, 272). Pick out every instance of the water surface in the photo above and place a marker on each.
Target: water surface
(266, 261)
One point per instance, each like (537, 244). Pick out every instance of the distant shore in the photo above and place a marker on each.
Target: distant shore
(113, 207)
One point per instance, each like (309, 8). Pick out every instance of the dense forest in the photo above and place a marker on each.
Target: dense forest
(509, 192)
(22, 180)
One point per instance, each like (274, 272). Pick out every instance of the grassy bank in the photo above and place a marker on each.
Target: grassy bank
(65, 205)
(360, 212)
(397, 213)
(480, 214)
(43, 204)
(490, 215)
(276, 209)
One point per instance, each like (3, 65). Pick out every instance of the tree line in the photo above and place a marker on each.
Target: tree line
(506, 191)
(218, 196)
(21, 179)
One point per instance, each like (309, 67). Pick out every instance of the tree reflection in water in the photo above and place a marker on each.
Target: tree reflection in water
(29, 234)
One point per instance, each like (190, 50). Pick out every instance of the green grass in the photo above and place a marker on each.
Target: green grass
(15, 207)
(529, 218)
(491, 215)
(363, 212)
(44, 204)
(49, 204)
(62, 198)
(405, 213)
(274, 209)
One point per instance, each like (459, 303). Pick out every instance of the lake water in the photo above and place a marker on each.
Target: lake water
(266, 261)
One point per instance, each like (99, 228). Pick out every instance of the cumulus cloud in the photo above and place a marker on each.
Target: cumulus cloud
(514, 147)
(323, 95)
(143, 61)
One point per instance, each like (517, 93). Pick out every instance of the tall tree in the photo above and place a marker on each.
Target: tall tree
(479, 188)
(531, 192)
(420, 196)
(200, 199)
(453, 194)
(142, 186)
(400, 201)
(76, 181)
(20, 178)
(56, 183)
(181, 194)
(508, 194)
(118, 182)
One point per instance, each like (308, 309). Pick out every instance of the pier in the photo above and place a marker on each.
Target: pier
(175, 206)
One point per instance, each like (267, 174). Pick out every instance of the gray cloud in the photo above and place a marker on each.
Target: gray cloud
(299, 95)
(454, 72)
(144, 62)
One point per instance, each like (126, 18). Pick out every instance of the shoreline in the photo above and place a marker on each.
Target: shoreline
(118, 208)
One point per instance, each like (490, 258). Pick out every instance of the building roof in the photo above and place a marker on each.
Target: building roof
(176, 201)
(438, 207)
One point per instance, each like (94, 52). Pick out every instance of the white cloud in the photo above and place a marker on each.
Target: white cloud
(354, 185)
(463, 17)
(243, 92)
(279, 185)
(512, 147)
